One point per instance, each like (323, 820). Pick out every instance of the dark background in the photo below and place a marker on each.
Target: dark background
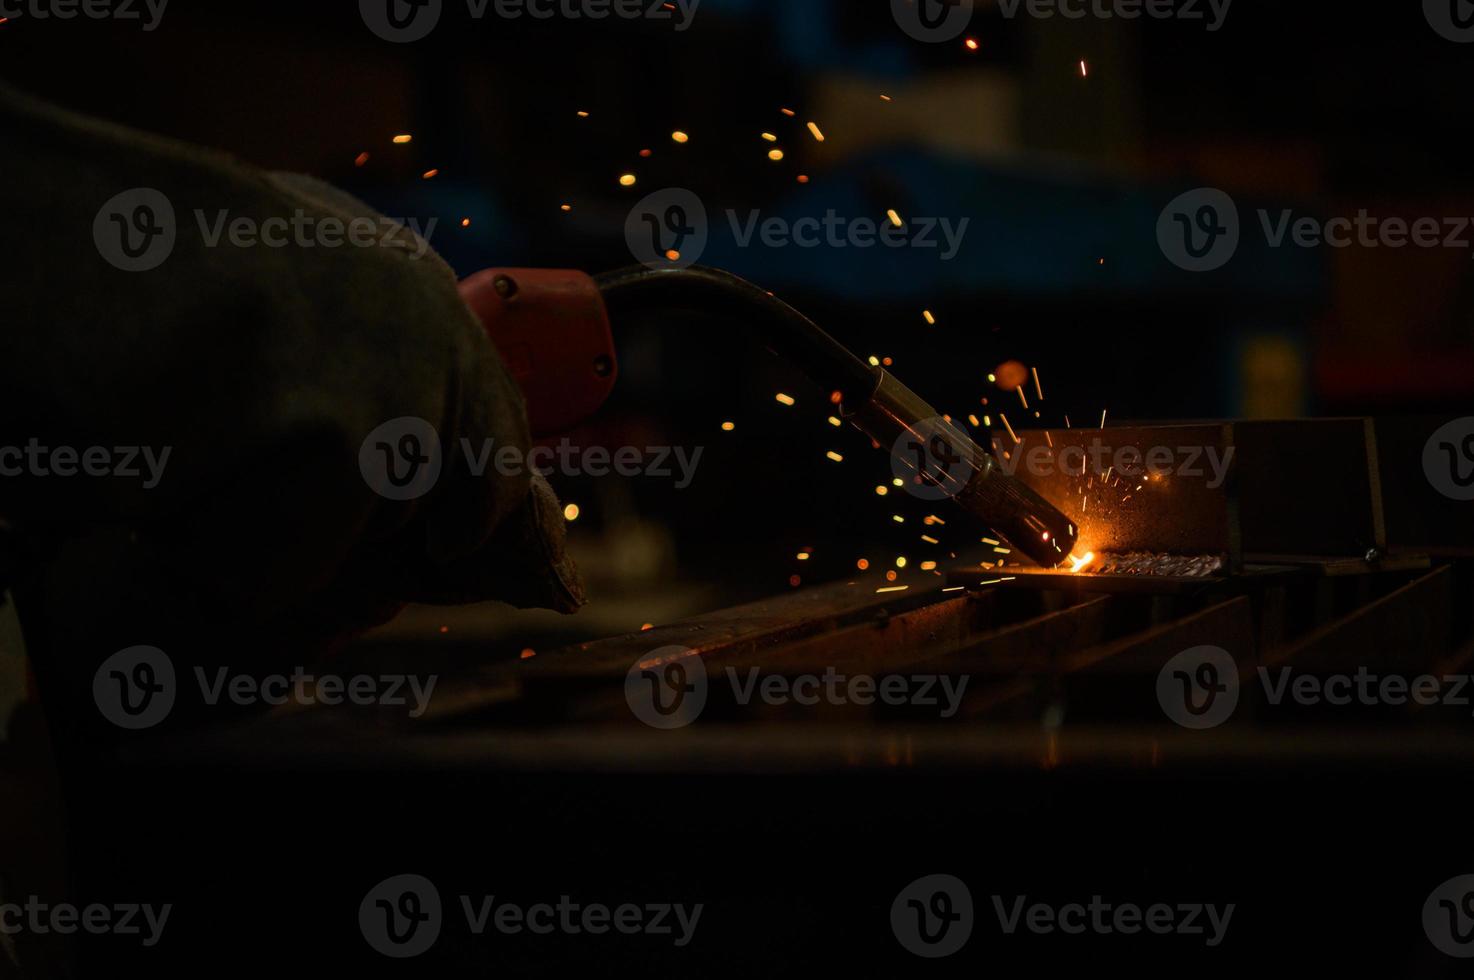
(1321, 107)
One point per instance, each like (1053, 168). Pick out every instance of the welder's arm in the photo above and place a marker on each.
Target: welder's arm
(252, 375)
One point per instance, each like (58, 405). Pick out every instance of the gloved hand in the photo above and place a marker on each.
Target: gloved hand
(260, 371)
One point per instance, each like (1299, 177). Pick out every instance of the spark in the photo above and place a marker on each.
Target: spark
(898, 518)
(927, 566)
(565, 207)
(901, 562)
(882, 491)
(895, 218)
(885, 98)
(862, 564)
(770, 137)
(528, 653)
(728, 426)
(361, 159)
(955, 588)
(803, 178)
(1102, 418)
(814, 129)
(673, 255)
(929, 539)
(627, 180)
(1037, 389)
(1013, 435)
(971, 43)
(403, 139)
(989, 541)
(787, 112)
(571, 512)
(582, 114)
(973, 419)
(775, 155)
(680, 137)
(835, 456)
(1077, 564)
(645, 627)
(802, 556)
(1083, 71)
(892, 588)
(783, 399)
(430, 174)
(898, 482)
(1022, 397)
(926, 314)
(834, 421)
(465, 222)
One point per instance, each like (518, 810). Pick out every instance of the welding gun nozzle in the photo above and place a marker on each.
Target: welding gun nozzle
(944, 462)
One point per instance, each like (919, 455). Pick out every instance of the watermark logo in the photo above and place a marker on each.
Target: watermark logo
(670, 229)
(667, 688)
(401, 21)
(400, 917)
(135, 231)
(135, 688)
(1452, 19)
(1448, 917)
(667, 229)
(933, 459)
(142, 463)
(932, 21)
(933, 916)
(150, 13)
(1212, 464)
(1448, 459)
(1199, 230)
(1102, 917)
(405, 21)
(401, 459)
(1199, 688)
(41, 918)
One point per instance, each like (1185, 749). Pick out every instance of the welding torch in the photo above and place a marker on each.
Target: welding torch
(552, 327)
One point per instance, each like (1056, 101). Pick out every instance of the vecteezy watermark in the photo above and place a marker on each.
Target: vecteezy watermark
(137, 230)
(938, 21)
(1448, 917)
(1200, 230)
(404, 21)
(39, 918)
(933, 916)
(1103, 918)
(1452, 19)
(669, 229)
(935, 460)
(1366, 688)
(149, 13)
(1448, 459)
(143, 463)
(668, 688)
(403, 458)
(137, 688)
(1199, 688)
(403, 916)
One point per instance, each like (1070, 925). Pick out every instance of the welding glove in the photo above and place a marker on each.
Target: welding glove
(229, 391)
